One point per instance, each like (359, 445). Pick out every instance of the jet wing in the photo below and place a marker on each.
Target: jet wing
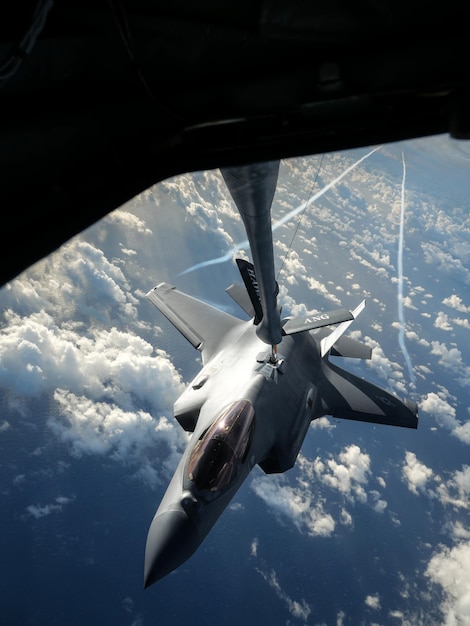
(350, 397)
(310, 322)
(201, 324)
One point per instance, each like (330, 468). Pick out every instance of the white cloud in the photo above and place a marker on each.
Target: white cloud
(37, 511)
(303, 503)
(455, 302)
(390, 372)
(408, 303)
(461, 322)
(316, 285)
(37, 355)
(322, 423)
(459, 531)
(411, 335)
(442, 322)
(293, 269)
(130, 437)
(415, 473)
(450, 568)
(378, 504)
(189, 191)
(373, 602)
(451, 359)
(446, 263)
(289, 305)
(437, 405)
(111, 390)
(349, 475)
(78, 279)
(462, 432)
(380, 271)
(298, 609)
(297, 503)
(128, 221)
(461, 480)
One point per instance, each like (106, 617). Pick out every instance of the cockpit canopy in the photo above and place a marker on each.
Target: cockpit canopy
(222, 449)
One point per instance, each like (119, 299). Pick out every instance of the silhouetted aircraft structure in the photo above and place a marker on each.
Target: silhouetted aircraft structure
(262, 383)
(101, 100)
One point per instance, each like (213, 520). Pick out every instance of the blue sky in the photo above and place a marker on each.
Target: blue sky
(89, 372)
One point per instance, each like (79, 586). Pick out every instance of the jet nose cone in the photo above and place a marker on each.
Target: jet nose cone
(171, 540)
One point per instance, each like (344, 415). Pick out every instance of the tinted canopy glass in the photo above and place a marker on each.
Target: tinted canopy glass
(221, 451)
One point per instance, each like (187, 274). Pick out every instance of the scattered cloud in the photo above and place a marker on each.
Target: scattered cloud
(378, 503)
(37, 511)
(91, 427)
(317, 286)
(296, 503)
(299, 609)
(373, 602)
(110, 388)
(415, 473)
(348, 475)
(445, 261)
(408, 303)
(461, 322)
(451, 359)
(450, 569)
(305, 504)
(388, 371)
(438, 405)
(322, 423)
(442, 322)
(455, 302)
(128, 221)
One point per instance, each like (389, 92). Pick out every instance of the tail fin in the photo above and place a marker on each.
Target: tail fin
(241, 297)
(247, 271)
(252, 306)
(328, 342)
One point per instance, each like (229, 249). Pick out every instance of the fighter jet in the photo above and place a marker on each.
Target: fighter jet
(263, 381)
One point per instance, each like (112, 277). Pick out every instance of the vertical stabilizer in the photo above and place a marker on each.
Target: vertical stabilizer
(328, 342)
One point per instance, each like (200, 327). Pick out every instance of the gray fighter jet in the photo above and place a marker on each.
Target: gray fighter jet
(262, 383)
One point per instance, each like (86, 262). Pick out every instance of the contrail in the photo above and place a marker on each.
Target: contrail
(244, 244)
(401, 315)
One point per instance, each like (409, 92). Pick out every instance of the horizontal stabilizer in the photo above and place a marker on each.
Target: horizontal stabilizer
(201, 324)
(328, 342)
(347, 396)
(310, 322)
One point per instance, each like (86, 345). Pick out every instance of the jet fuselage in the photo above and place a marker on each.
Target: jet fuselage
(280, 397)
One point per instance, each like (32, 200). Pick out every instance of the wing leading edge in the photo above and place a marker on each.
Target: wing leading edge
(201, 324)
(347, 396)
